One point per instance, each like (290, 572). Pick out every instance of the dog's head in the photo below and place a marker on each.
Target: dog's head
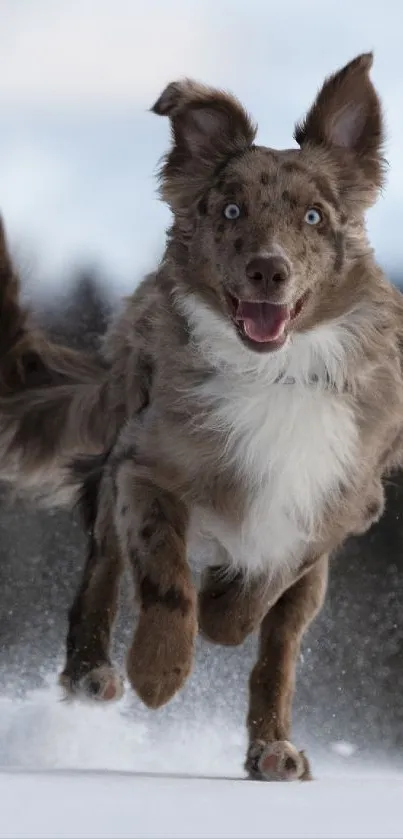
(268, 237)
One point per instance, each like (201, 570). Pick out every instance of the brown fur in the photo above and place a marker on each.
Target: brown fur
(181, 440)
(53, 399)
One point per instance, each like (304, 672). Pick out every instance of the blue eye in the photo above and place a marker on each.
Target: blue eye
(313, 216)
(232, 211)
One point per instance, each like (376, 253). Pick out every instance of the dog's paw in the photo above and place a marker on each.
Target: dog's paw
(277, 761)
(102, 684)
(161, 657)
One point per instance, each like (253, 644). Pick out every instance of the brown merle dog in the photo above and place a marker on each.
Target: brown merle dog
(250, 403)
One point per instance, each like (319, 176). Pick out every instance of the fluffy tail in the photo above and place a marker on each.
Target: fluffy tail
(54, 401)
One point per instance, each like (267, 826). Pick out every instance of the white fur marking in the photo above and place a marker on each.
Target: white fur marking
(292, 443)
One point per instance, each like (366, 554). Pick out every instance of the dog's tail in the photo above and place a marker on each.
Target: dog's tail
(54, 401)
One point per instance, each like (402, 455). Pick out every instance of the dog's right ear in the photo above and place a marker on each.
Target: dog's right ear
(208, 126)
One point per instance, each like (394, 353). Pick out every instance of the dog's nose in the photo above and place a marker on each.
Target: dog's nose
(268, 270)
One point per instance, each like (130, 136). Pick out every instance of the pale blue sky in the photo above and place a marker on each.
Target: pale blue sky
(78, 149)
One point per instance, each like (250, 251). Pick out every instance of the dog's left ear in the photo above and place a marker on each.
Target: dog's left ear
(208, 126)
(346, 118)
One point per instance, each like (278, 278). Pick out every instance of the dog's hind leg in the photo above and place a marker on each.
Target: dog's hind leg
(88, 670)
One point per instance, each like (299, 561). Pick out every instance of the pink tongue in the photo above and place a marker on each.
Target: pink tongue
(263, 321)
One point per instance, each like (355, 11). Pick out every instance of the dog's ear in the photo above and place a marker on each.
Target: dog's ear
(208, 126)
(346, 118)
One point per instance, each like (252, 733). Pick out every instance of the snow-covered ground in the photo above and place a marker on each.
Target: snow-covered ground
(118, 806)
(79, 771)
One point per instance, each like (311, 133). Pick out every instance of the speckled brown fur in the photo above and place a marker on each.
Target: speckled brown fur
(196, 423)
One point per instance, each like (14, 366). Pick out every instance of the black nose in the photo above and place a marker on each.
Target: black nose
(268, 270)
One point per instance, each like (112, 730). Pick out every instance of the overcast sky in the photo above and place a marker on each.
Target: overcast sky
(78, 148)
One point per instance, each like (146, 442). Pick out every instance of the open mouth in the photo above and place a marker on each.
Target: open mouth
(261, 324)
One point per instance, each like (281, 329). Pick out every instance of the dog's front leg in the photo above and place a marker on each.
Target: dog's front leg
(271, 756)
(152, 526)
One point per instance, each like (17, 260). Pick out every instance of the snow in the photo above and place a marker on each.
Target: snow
(38, 730)
(80, 770)
(98, 806)
(342, 748)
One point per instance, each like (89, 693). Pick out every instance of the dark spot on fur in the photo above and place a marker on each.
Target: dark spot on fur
(134, 557)
(147, 372)
(183, 329)
(264, 179)
(343, 489)
(162, 514)
(373, 508)
(232, 189)
(154, 517)
(173, 599)
(238, 244)
(324, 189)
(147, 531)
(124, 510)
(291, 166)
(202, 207)
(289, 199)
(339, 250)
(219, 232)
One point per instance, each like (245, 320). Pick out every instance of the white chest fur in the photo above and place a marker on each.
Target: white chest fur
(291, 445)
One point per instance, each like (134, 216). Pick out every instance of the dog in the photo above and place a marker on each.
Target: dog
(245, 409)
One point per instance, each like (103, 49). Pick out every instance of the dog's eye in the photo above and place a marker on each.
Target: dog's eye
(232, 211)
(313, 216)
